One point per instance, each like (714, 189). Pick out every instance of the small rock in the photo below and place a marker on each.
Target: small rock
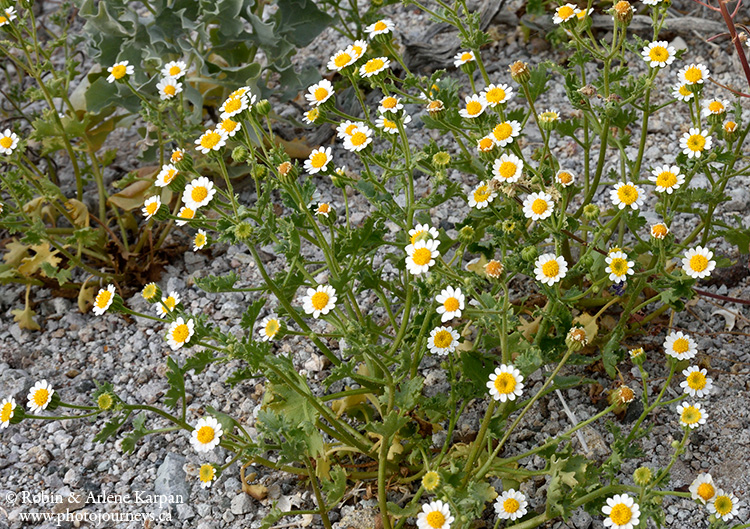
(241, 504)
(184, 511)
(171, 478)
(581, 519)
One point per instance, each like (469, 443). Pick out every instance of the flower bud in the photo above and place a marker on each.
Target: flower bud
(494, 269)
(729, 131)
(239, 154)
(623, 12)
(529, 253)
(105, 401)
(151, 293)
(548, 120)
(642, 476)
(519, 72)
(441, 159)
(260, 171)
(576, 338)
(591, 211)
(185, 164)
(263, 107)
(466, 235)
(637, 355)
(435, 108)
(243, 231)
(469, 67)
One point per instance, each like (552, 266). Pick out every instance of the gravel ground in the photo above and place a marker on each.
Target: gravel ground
(77, 349)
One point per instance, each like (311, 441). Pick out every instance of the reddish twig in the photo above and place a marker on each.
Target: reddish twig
(723, 298)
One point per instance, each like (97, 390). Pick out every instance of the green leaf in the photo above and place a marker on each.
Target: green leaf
(409, 393)
(213, 284)
(390, 426)
(411, 509)
(198, 362)
(176, 384)
(110, 428)
(612, 353)
(334, 488)
(251, 314)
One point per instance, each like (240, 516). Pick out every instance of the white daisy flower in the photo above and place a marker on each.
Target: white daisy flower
(170, 301)
(177, 155)
(174, 69)
(207, 475)
(166, 175)
(180, 332)
(694, 142)
(151, 206)
(421, 230)
(206, 434)
(390, 104)
(486, 144)
(435, 515)
(475, 105)
(319, 93)
(622, 512)
(421, 255)
(565, 13)
(725, 505)
(658, 54)
(692, 415)
(318, 160)
(198, 192)
(211, 140)
(168, 87)
(565, 178)
(7, 411)
(538, 206)
(40, 395)
(693, 74)
(119, 70)
(549, 269)
(233, 106)
(381, 27)
(269, 327)
(320, 300)
(698, 262)
(346, 128)
(311, 116)
(451, 303)
(340, 60)
(618, 267)
(359, 140)
(627, 194)
(357, 49)
(185, 214)
(374, 66)
(681, 92)
(667, 178)
(659, 231)
(104, 300)
(443, 340)
(511, 505)
(506, 383)
(390, 126)
(229, 126)
(702, 488)
(462, 57)
(497, 94)
(8, 142)
(481, 196)
(8, 16)
(714, 107)
(200, 240)
(504, 132)
(680, 346)
(696, 383)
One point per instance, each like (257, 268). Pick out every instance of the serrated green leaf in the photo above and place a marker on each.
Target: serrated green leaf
(176, 382)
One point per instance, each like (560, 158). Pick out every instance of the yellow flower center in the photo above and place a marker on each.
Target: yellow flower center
(319, 300)
(199, 193)
(324, 208)
(373, 65)
(174, 70)
(342, 59)
(233, 104)
(620, 514)
(681, 345)
(698, 263)
(730, 126)
(435, 519)
(451, 304)
(320, 93)
(187, 213)
(357, 51)
(706, 491)
(696, 380)
(200, 240)
(493, 268)
(658, 54)
(416, 236)
(666, 179)
(659, 231)
(435, 106)
(210, 139)
(505, 383)
(508, 170)
(180, 334)
(389, 102)
(723, 505)
(170, 90)
(205, 435)
(380, 25)
(119, 71)
(485, 144)
(551, 268)
(171, 173)
(388, 124)
(539, 206)
(431, 480)
(3, 20)
(206, 473)
(102, 299)
(229, 125)
(482, 194)
(41, 397)
(693, 74)
(548, 116)
(696, 142)
(313, 114)
(684, 91)
(152, 207)
(176, 156)
(495, 95)
(716, 107)
(619, 266)
(503, 131)
(466, 56)
(7, 412)
(319, 159)
(421, 256)
(149, 291)
(565, 12)
(691, 415)
(511, 505)
(349, 130)
(565, 177)
(443, 339)
(170, 302)
(272, 327)
(6, 142)
(358, 138)
(627, 194)
(473, 108)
